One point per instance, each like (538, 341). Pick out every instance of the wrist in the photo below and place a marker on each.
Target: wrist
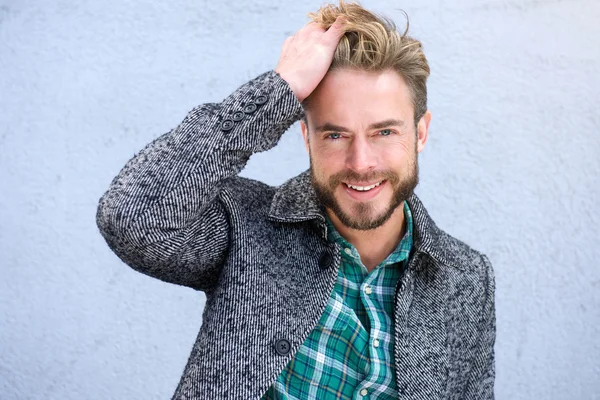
(291, 83)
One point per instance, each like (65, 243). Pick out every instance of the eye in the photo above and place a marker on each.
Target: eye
(334, 135)
(385, 132)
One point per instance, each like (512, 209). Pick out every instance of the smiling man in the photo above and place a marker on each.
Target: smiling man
(337, 284)
(363, 154)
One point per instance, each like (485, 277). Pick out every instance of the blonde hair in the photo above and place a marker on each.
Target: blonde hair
(372, 43)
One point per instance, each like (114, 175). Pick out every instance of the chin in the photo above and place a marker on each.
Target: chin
(355, 218)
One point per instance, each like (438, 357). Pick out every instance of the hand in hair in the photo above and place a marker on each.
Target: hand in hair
(305, 57)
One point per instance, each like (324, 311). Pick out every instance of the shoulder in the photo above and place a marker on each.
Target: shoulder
(248, 194)
(462, 261)
(241, 186)
(469, 273)
(456, 254)
(442, 248)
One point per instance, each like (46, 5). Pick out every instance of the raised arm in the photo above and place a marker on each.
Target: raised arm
(162, 214)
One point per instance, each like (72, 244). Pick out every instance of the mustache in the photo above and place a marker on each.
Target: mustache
(348, 175)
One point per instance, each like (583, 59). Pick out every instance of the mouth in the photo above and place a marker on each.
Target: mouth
(364, 192)
(363, 188)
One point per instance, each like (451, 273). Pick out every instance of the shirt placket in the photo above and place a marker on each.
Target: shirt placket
(368, 299)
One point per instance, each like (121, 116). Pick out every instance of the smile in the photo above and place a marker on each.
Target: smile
(363, 188)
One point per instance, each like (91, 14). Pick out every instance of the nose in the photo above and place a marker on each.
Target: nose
(361, 156)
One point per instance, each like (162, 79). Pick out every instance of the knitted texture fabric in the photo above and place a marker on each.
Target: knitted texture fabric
(350, 352)
(178, 211)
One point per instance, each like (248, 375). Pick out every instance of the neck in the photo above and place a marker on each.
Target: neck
(376, 244)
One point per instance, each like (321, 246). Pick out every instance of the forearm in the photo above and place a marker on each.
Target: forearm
(162, 191)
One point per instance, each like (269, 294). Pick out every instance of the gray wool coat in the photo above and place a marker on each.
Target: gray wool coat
(178, 211)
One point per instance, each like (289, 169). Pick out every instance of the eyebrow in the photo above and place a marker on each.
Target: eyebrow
(328, 127)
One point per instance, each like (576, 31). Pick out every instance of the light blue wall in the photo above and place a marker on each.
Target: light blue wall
(512, 168)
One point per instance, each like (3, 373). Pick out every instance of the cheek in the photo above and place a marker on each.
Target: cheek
(326, 158)
(397, 152)
(327, 149)
(399, 145)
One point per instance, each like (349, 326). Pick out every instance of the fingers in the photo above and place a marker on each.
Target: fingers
(315, 31)
(335, 31)
(286, 43)
(306, 57)
(310, 29)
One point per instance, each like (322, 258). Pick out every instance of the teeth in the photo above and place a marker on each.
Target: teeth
(364, 188)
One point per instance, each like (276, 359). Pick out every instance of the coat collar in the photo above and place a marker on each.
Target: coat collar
(296, 201)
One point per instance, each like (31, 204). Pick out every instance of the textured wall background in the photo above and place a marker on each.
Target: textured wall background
(512, 168)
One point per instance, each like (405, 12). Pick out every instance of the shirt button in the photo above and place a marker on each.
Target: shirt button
(348, 251)
(375, 343)
(368, 289)
(364, 392)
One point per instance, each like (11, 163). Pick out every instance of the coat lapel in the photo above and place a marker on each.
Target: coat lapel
(421, 347)
(420, 311)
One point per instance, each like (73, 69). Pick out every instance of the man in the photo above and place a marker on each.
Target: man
(336, 284)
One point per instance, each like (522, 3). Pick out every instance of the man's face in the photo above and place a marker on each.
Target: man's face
(363, 145)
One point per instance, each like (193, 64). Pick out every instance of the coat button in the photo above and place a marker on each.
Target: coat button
(238, 116)
(250, 108)
(282, 347)
(227, 125)
(326, 260)
(260, 100)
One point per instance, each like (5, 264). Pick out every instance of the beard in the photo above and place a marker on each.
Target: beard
(363, 215)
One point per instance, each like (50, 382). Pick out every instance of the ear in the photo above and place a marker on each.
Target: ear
(423, 130)
(304, 130)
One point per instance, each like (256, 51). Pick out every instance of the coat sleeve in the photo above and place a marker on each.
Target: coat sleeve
(481, 380)
(162, 214)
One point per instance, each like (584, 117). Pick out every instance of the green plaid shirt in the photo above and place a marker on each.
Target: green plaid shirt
(349, 355)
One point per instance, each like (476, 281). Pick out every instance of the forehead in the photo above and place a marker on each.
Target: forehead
(360, 97)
